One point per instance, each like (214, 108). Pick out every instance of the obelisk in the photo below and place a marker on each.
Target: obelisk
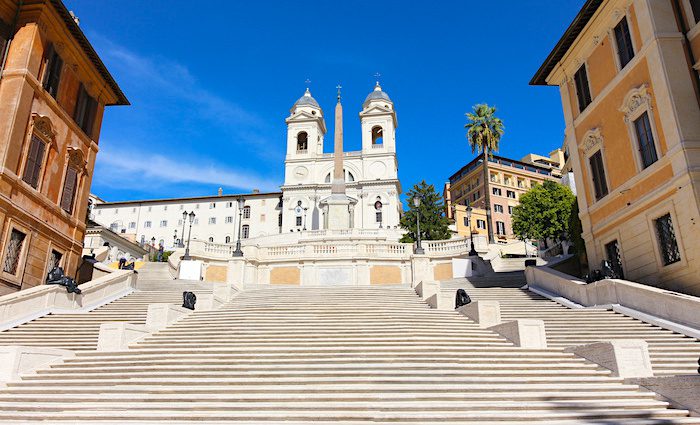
(338, 203)
(338, 186)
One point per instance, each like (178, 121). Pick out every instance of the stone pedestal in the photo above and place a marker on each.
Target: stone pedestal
(484, 313)
(190, 270)
(116, 336)
(526, 333)
(16, 360)
(626, 358)
(338, 212)
(161, 315)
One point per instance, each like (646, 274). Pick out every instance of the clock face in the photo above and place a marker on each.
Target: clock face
(301, 172)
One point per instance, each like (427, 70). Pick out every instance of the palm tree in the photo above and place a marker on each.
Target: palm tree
(484, 131)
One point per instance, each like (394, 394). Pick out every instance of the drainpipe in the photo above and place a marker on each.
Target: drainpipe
(681, 20)
(12, 35)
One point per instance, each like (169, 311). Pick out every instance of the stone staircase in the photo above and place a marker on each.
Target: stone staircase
(332, 355)
(671, 353)
(79, 331)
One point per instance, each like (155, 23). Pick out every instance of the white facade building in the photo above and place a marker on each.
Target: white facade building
(371, 174)
(371, 180)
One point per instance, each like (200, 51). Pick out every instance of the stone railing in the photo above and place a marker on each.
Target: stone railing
(320, 251)
(27, 305)
(655, 302)
(454, 246)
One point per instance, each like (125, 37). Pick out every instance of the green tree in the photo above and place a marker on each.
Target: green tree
(484, 131)
(433, 223)
(575, 229)
(544, 212)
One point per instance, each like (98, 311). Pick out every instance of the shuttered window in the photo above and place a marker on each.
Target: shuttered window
(645, 139)
(52, 77)
(69, 189)
(582, 89)
(85, 111)
(625, 50)
(600, 184)
(35, 157)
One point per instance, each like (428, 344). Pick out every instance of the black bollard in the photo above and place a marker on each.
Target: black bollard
(462, 298)
(189, 299)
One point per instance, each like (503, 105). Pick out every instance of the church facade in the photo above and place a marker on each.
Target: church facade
(371, 174)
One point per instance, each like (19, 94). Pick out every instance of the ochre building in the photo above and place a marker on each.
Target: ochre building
(508, 179)
(628, 76)
(53, 91)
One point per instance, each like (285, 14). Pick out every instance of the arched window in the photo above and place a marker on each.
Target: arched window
(349, 177)
(302, 142)
(211, 239)
(245, 231)
(377, 136)
(228, 239)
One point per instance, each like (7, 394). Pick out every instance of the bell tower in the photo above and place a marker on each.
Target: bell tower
(378, 120)
(305, 128)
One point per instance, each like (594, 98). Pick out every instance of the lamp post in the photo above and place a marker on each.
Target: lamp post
(175, 244)
(472, 251)
(305, 209)
(419, 248)
(189, 233)
(241, 203)
(184, 219)
(378, 209)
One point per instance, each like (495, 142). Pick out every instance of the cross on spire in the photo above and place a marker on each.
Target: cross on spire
(308, 83)
(338, 87)
(377, 75)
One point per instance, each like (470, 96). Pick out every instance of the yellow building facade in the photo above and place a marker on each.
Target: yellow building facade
(627, 72)
(53, 91)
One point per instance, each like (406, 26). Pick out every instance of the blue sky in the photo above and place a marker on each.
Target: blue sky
(211, 83)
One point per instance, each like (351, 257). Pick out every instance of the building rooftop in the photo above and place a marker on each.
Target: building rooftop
(567, 40)
(192, 198)
(546, 171)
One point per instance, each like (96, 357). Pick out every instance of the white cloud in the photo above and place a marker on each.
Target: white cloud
(147, 170)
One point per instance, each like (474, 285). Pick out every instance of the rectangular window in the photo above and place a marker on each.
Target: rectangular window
(182, 207)
(212, 205)
(625, 50)
(54, 260)
(150, 209)
(298, 221)
(481, 224)
(228, 220)
(378, 216)
(500, 228)
(245, 230)
(133, 210)
(69, 189)
(246, 212)
(600, 185)
(612, 253)
(179, 222)
(510, 209)
(510, 194)
(85, 111)
(496, 191)
(262, 218)
(35, 159)
(165, 208)
(695, 6)
(582, 89)
(498, 208)
(13, 252)
(229, 204)
(132, 225)
(668, 245)
(645, 139)
(147, 225)
(212, 220)
(196, 222)
(164, 223)
(52, 77)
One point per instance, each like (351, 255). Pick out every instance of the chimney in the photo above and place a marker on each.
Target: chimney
(75, 18)
(221, 191)
(256, 191)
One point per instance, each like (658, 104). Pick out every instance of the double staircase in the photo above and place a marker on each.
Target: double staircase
(331, 355)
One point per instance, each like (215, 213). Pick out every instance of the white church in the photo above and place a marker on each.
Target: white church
(371, 186)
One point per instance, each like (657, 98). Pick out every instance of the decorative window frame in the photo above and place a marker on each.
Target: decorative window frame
(591, 143)
(41, 127)
(636, 102)
(60, 250)
(15, 279)
(618, 16)
(657, 212)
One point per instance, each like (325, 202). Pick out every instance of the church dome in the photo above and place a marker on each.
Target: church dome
(306, 100)
(376, 94)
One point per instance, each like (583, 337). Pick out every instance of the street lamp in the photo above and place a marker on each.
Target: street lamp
(153, 241)
(189, 233)
(184, 219)
(241, 203)
(305, 209)
(419, 248)
(378, 209)
(472, 251)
